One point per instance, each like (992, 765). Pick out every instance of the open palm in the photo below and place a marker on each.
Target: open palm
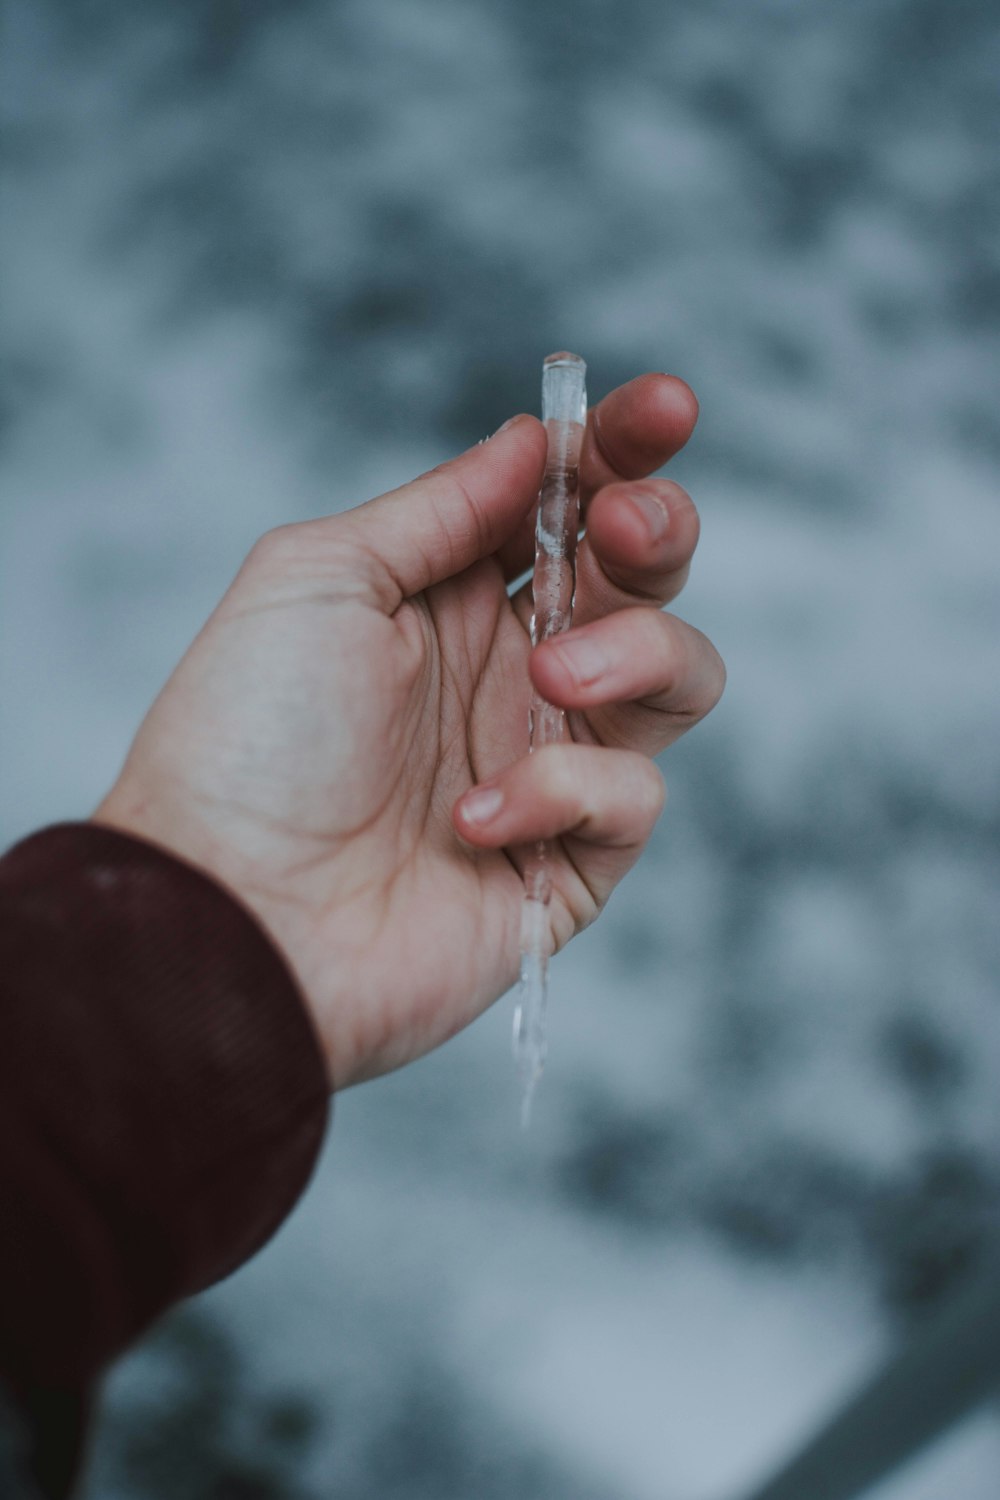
(344, 745)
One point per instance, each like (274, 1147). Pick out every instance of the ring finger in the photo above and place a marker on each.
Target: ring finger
(639, 677)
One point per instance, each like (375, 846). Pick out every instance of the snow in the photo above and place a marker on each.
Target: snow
(252, 285)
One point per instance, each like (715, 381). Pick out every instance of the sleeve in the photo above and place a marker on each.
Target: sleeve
(163, 1099)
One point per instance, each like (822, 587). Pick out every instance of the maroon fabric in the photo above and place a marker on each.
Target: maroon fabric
(163, 1099)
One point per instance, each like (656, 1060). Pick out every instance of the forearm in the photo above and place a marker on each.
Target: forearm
(162, 1095)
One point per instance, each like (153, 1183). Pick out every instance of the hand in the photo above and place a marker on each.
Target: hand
(344, 744)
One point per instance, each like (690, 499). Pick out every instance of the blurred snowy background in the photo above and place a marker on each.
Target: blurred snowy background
(262, 260)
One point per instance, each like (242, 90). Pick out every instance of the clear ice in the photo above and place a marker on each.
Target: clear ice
(564, 412)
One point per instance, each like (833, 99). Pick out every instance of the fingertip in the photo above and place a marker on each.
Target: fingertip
(552, 674)
(675, 394)
(451, 516)
(658, 791)
(638, 427)
(516, 420)
(663, 406)
(523, 429)
(649, 524)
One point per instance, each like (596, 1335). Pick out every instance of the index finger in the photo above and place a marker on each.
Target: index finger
(635, 430)
(632, 432)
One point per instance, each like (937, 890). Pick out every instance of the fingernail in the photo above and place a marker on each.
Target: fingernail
(653, 511)
(482, 805)
(585, 659)
(509, 423)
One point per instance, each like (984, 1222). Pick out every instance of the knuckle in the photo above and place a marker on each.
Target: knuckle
(719, 677)
(275, 546)
(667, 648)
(560, 779)
(708, 672)
(321, 548)
(693, 673)
(454, 512)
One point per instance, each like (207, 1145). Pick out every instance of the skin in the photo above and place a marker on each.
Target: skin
(344, 745)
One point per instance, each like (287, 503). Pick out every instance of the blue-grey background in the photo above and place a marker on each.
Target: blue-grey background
(263, 260)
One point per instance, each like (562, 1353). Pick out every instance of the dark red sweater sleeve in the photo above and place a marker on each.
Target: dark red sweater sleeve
(163, 1098)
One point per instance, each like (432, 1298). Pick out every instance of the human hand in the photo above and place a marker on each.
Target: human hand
(344, 745)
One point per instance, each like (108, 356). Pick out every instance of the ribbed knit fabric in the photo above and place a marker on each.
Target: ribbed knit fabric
(163, 1100)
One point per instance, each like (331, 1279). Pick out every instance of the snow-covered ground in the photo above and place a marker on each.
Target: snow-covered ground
(261, 269)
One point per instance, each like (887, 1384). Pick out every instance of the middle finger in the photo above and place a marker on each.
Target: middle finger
(637, 550)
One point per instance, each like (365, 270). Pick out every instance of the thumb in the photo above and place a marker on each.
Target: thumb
(449, 518)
